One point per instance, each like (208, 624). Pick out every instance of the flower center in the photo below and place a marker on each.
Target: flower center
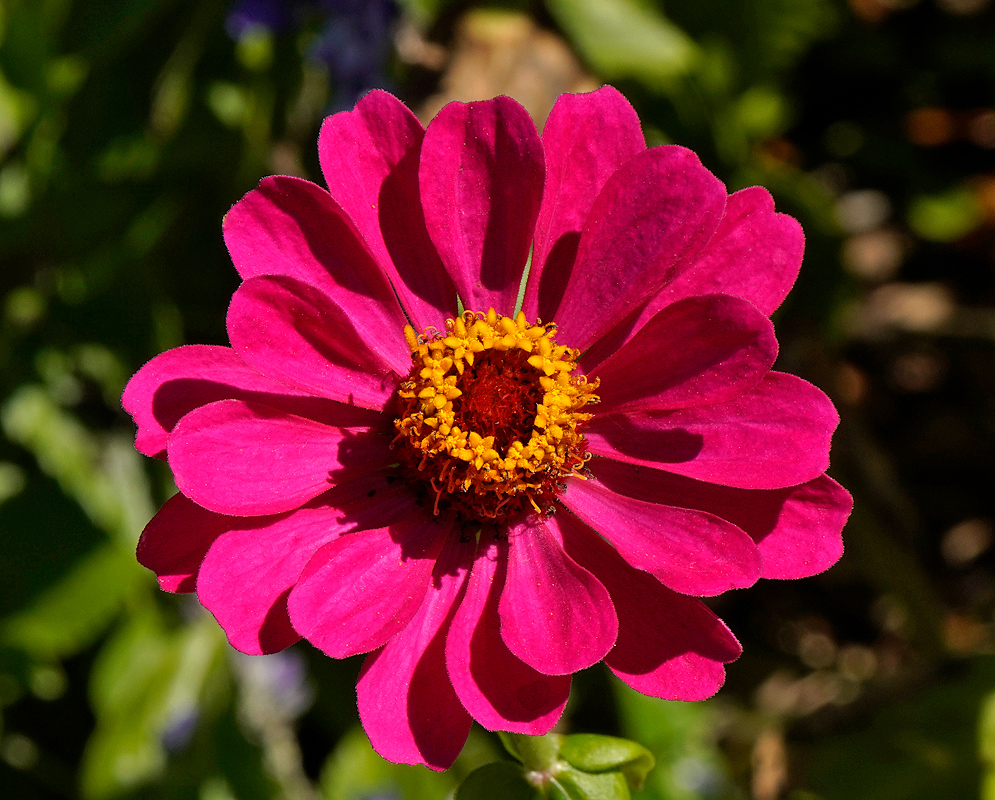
(490, 416)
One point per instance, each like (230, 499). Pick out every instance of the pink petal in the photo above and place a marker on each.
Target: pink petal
(360, 590)
(652, 221)
(176, 382)
(406, 703)
(699, 350)
(808, 537)
(586, 138)
(293, 333)
(292, 227)
(756, 254)
(175, 541)
(688, 551)
(797, 529)
(249, 571)
(669, 645)
(555, 615)
(369, 157)
(500, 691)
(245, 458)
(775, 436)
(481, 179)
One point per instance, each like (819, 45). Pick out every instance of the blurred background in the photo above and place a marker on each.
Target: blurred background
(129, 127)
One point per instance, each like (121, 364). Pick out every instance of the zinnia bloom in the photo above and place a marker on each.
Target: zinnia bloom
(488, 500)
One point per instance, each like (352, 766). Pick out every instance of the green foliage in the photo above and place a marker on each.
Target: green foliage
(501, 780)
(590, 753)
(924, 745)
(147, 679)
(575, 767)
(355, 772)
(946, 217)
(71, 614)
(627, 39)
(680, 738)
(986, 746)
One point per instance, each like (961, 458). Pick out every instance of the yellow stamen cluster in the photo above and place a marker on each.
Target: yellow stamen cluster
(490, 415)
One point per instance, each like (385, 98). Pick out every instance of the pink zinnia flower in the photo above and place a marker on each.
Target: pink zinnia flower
(370, 469)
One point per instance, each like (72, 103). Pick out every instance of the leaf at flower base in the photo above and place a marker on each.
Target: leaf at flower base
(572, 784)
(535, 752)
(582, 766)
(510, 744)
(501, 780)
(589, 752)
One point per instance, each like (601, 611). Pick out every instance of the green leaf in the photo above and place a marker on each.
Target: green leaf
(537, 753)
(510, 744)
(622, 38)
(589, 752)
(501, 780)
(571, 784)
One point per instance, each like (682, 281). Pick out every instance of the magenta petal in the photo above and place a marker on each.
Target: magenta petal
(808, 537)
(290, 226)
(555, 615)
(293, 333)
(776, 435)
(406, 703)
(499, 690)
(294, 228)
(249, 571)
(797, 529)
(755, 254)
(586, 138)
(369, 157)
(699, 350)
(688, 551)
(481, 179)
(176, 382)
(652, 221)
(669, 645)
(175, 541)
(245, 458)
(362, 589)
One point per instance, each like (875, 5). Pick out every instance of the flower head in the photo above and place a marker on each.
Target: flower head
(488, 500)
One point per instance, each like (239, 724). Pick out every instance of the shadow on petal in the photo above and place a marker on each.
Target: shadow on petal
(622, 436)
